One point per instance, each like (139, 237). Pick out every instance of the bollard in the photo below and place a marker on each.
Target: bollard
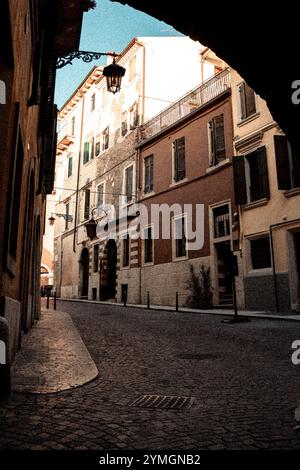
(176, 302)
(4, 359)
(54, 300)
(48, 297)
(148, 300)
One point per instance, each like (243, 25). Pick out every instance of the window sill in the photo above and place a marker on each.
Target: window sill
(292, 192)
(254, 204)
(150, 263)
(259, 272)
(180, 258)
(178, 183)
(149, 194)
(248, 119)
(216, 167)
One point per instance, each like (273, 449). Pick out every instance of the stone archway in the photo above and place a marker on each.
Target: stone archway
(84, 273)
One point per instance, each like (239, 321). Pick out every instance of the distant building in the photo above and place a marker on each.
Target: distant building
(97, 157)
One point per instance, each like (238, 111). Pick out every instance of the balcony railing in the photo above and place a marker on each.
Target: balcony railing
(65, 137)
(198, 97)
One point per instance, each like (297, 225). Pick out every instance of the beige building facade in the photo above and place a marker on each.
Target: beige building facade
(267, 181)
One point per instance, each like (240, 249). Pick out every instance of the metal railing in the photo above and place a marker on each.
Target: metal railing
(201, 95)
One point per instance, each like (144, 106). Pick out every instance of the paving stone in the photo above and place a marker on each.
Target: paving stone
(246, 396)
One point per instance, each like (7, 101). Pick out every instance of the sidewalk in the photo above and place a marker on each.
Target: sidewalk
(53, 357)
(216, 311)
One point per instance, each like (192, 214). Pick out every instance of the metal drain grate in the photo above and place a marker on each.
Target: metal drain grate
(164, 402)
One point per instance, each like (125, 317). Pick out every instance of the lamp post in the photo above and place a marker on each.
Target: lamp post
(113, 72)
(52, 219)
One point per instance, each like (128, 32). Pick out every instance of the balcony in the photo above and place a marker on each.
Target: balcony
(200, 96)
(65, 138)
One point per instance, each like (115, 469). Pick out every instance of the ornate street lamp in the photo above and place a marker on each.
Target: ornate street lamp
(91, 228)
(113, 72)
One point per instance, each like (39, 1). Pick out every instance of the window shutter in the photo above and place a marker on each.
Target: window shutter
(242, 100)
(282, 162)
(220, 153)
(240, 189)
(92, 147)
(87, 204)
(211, 127)
(129, 183)
(151, 174)
(86, 152)
(263, 172)
(250, 100)
(179, 159)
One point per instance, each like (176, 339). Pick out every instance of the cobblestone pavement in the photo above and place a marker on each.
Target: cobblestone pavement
(241, 375)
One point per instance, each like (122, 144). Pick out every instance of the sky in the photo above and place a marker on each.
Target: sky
(110, 27)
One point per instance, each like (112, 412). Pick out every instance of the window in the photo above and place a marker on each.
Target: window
(105, 139)
(287, 163)
(179, 159)
(148, 183)
(260, 253)
(96, 258)
(124, 127)
(86, 152)
(148, 245)
(134, 116)
(67, 216)
(97, 147)
(180, 239)
(93, 102)
(100, 194)
(126, 245)
(217, 140)
(73, 126)
(129, 183)
(221, 221)
(247, 101)
(92, 148)
(132, 68)
(70, 166)
(87, 196)
(251, 181)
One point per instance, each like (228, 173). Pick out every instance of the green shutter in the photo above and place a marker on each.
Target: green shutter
(263, 172)
(86, 152)
(282, 162)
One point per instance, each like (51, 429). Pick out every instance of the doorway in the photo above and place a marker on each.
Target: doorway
(84, 273)
(108, 271)
(223, 250)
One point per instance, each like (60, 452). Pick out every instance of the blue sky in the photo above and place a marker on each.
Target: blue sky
(110, 27)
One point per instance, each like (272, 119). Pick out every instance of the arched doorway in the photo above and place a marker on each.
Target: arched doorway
(108, 271)
(84, 272)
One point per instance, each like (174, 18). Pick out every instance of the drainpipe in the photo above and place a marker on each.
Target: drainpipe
(273, 257)
(78, 176)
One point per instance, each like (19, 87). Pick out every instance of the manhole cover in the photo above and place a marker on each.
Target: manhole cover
(164, 402)
(198, 357)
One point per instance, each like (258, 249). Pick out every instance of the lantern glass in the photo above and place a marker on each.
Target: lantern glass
(91, 227)
(114, 74)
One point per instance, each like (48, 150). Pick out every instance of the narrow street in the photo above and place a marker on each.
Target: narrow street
(245, 386)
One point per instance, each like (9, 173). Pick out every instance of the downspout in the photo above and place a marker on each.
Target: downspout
(273, 257)
(78, 176)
